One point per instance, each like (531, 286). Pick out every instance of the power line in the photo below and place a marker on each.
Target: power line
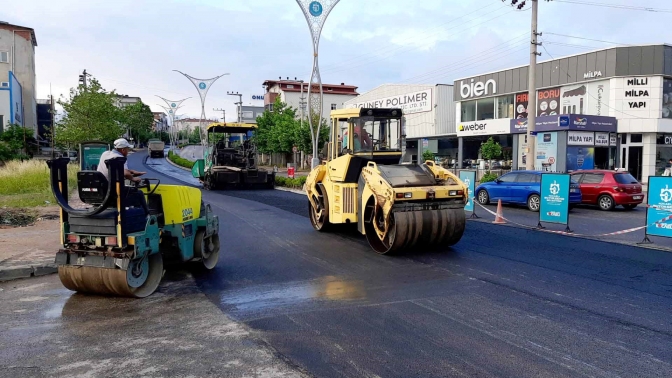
(587, 39)
(570, 45)
(376, 59)
(373, 52)
(615, 6)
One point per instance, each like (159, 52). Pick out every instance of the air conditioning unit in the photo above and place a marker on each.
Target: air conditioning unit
(4, 84)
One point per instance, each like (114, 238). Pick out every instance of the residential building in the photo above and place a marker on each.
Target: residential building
(18, 101)
(249, 113)
(160, 122)
(44, 121)
(125, 100)
(295, 94)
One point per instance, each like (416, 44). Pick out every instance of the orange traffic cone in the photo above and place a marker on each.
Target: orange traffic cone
(499, 218)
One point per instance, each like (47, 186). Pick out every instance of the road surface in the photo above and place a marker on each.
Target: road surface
(504, 302)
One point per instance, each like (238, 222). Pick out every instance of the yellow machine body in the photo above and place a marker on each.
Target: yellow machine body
(396, 206)
(180, 203)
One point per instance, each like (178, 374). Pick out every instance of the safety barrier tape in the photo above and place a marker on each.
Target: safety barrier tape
(656, 224)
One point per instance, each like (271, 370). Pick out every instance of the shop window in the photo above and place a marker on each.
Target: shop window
(505, 107)
(635, 138)
(485, 109)
(468, 111)
(624, 138)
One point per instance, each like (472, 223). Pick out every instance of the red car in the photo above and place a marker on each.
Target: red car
(608, 189)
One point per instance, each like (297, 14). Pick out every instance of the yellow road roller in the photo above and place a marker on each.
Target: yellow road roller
(362, 180)
(118, 243)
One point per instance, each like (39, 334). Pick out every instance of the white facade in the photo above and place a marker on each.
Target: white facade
(17, 55)
(428, 112)
(295, 94)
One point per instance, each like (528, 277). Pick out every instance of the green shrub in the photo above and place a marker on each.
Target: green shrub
(427, 155)
(182, 162)
(296, 183)
(488, 177)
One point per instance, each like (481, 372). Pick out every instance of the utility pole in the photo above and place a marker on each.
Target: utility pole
(240, 109)
(223, 114)
(53, 126)
(82, 79)
(532, 85)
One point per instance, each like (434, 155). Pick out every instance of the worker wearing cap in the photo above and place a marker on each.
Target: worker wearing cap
(121, 147)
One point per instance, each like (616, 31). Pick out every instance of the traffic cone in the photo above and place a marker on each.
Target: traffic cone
(499, 218)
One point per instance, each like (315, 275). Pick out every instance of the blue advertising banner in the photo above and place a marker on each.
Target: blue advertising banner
(469, 178)
(554, 204)
(580, 158)
(659, 198)
(577, 122)
(15, 100)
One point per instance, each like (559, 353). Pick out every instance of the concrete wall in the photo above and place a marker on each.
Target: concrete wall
(24, 70)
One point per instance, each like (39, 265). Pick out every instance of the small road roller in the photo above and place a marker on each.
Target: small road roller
(117, 245)
(362, 180)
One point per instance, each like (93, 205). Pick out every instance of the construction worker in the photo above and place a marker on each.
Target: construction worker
(121, 147)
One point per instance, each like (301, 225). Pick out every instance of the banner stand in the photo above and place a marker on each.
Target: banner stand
(658, 207)
(469, 179)
(554, 200)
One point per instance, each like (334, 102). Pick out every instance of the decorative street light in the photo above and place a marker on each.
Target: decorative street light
(202, 86)
(316, 13)
(171, 109)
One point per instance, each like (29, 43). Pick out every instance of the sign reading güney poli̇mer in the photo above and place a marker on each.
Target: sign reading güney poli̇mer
(416, 102)
(659, 199)
(554, 205)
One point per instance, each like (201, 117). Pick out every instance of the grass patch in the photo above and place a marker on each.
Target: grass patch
(182, 162)
(26, 183)
(295, 183)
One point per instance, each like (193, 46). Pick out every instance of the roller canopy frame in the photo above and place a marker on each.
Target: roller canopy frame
(59, 184)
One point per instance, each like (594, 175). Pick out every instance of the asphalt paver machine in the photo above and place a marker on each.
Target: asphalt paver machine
(228, 166)
(362, 181)
(118, 242)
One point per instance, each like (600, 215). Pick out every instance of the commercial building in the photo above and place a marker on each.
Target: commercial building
(295, 94)
(18, 102)
(429, 115)
(160, 122)
(629, 86)
(44, 121)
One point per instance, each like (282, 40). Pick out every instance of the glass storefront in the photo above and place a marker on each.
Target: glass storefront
(468, 111)
(663, 153)
(487, 108)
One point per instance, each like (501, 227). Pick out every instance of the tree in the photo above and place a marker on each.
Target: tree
(277, 129)
(19, 139)
(195, 136)
(138, 119)
(490, 150)
(89, 114)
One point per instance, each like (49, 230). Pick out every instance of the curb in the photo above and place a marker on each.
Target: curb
(27, 271)
(291, 190)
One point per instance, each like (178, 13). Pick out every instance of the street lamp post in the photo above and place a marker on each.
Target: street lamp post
(172, 108)
(202, 86)
(316, 13)
(240, 110)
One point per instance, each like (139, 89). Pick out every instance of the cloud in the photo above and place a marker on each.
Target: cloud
(133, 46)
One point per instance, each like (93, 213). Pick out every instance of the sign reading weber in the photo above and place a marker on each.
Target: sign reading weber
(416, 102)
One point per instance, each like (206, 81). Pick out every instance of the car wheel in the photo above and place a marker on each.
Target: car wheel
(629, 207)
(605, 202)
(571, 207)
(483, 197)
(533, 202)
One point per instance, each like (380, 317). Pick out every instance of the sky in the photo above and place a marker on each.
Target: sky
(133, 46)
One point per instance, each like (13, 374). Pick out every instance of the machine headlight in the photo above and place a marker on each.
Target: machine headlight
(404, 195)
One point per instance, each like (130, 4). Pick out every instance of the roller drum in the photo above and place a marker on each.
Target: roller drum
(114, 282)
(416, 229)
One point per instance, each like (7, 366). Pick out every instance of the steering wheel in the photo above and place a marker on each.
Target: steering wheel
(144, 183)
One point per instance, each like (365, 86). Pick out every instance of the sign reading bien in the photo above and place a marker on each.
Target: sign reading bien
(554, 204)
(469, 179)
(659, 199)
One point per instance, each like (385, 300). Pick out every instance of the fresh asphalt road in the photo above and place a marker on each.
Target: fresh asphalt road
(504, 302)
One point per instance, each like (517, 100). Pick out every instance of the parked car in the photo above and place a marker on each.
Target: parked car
(520, 187)
(608, 189)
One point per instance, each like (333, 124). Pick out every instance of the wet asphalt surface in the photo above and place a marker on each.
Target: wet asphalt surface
(504, 302)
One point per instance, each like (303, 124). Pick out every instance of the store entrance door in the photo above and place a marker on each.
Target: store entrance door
(635, 162)
(602, 158)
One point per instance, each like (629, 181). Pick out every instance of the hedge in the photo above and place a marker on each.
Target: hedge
(296, 183)
(175, 158)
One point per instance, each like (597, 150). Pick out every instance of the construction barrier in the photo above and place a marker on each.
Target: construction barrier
(499, 215)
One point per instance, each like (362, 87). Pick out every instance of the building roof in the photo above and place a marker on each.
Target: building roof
(336, 88)
(7, 26)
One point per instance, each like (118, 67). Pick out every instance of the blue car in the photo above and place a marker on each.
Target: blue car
(520, 187)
